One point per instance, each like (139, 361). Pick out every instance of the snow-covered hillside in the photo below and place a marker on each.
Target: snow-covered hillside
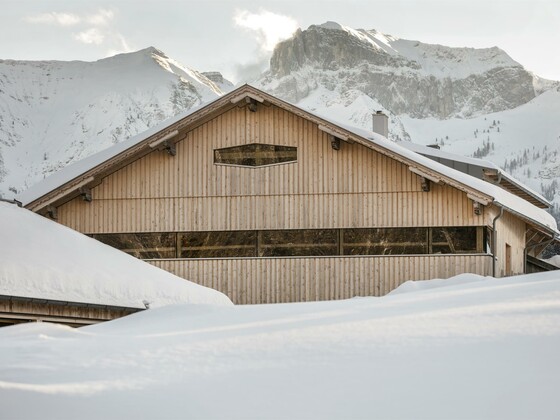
(465, 348)
(54, 113)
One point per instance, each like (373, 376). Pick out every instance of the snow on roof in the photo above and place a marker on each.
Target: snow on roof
(499, 195)
(431, 151)
(40, 258)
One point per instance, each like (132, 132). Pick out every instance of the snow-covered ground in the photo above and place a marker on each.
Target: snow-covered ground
(43, 259)
(466, 348)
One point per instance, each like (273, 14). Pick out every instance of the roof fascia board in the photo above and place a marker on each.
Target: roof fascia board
(545, 229)
(244, 95)
(421, 173)
(166, 137)
(334, 133)
(61, 194)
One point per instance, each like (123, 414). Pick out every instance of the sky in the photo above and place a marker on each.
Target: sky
(237, 37)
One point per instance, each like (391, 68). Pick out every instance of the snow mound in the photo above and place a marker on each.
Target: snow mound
(422, 285)
(485, 351)
(43, 259)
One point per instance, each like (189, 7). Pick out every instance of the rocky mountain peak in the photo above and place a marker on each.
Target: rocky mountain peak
(404, 76)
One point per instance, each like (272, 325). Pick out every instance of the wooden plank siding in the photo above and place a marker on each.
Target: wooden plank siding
(274, 280)
(509, 230)
(352, 187)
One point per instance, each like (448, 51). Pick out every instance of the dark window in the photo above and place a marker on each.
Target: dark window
(284, 243)
(142, 245)
(302, 242)
(218, 244)
(385, 241)
(255, 155)
(456, 240)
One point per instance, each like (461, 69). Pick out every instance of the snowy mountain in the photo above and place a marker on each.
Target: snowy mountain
(54, 113)
(474, 102)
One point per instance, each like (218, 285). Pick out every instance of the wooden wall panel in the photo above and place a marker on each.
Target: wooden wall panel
(275, 280)
(443, 206)
(354, 186)
(509, 230)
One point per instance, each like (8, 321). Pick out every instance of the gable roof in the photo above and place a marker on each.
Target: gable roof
(65, 184)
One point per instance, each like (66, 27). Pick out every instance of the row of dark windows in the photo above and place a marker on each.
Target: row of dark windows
(299, 243)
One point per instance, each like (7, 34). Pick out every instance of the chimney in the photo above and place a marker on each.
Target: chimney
(381, 123)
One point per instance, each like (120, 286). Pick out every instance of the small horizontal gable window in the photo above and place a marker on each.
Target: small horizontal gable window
(255, 154)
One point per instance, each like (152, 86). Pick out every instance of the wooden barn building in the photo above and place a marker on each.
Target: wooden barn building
(267, 202)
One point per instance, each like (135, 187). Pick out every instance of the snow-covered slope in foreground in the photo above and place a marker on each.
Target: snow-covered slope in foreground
(471, 348)
(43, 259)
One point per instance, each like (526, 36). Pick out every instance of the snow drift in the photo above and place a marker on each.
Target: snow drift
(43, 259)
(480, 349)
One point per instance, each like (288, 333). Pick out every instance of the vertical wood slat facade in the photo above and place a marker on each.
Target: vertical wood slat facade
(273, 280)
(509, 230)
(354, 187)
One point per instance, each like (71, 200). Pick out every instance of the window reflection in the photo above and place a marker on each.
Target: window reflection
(283, 243)
(218, 244)
(255, 155)
(142, 245)
(386, 241)
(302, 242)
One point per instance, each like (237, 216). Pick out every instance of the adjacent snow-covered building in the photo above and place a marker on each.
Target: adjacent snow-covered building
(267, 202)
(51, 273)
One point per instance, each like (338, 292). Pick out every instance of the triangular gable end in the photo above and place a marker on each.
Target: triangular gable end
(77, 179)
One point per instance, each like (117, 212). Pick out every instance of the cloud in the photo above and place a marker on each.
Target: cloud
(101, 18)
(54, 18)
(88, 28)
(90, 36)
(270, 28)
(120, 45)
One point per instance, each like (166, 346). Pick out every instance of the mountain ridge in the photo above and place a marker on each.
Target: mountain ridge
(53, 113)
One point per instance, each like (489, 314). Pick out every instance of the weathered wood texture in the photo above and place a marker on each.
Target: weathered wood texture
(274, 280)
(352, 187)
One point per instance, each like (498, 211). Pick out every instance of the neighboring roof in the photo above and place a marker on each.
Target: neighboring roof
(482, 169)
(71, 178)
(43, 259)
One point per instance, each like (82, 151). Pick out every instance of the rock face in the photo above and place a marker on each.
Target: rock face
(473, 102)
(405, 77)
(54, 113)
